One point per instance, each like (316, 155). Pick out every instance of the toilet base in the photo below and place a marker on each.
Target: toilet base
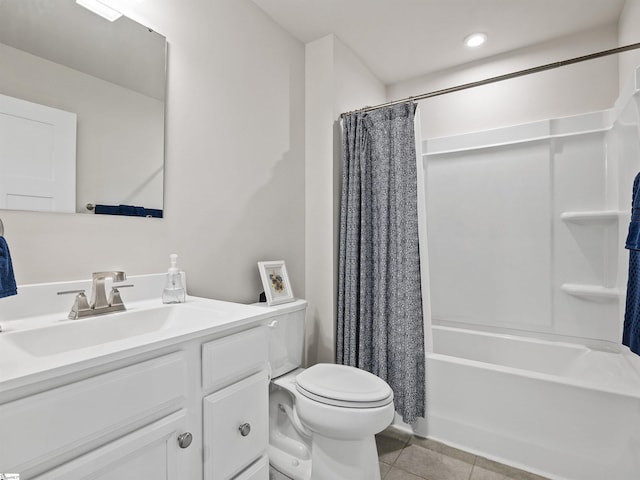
(289, 465)
(333, 459)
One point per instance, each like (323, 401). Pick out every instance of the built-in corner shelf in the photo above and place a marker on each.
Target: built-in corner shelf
(595, 217)
(591, 292)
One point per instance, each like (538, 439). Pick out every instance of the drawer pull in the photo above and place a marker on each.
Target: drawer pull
(185, 439)
(245, 429)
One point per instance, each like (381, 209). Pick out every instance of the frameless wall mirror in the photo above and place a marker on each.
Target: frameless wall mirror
(82, 106)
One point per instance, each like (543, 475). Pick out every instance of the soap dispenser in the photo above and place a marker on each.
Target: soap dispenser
(174, 289)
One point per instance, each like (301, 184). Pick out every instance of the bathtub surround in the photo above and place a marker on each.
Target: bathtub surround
(520, 370)
(528, 197)
(561, 410)
(380, 321)
(631, 330)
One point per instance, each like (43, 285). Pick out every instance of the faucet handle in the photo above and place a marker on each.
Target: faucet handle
(80, 304)
(114, 296)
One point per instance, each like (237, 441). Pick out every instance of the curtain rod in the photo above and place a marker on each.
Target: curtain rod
(499, 78)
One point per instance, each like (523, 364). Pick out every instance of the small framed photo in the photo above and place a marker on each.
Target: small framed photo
(275, 282)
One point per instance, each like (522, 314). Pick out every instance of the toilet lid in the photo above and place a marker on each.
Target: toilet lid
(343, 386)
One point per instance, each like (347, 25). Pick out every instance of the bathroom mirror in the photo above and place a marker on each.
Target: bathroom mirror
(106, 81)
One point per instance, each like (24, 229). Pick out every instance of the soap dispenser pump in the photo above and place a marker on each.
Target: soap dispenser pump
(174, 289)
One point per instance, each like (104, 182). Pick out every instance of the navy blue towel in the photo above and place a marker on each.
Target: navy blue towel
(631, 331)
(128, 210)
(633, 237)
(7, 279)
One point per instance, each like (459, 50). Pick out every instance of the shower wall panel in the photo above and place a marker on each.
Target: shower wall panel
(523, 229)
(489, 234)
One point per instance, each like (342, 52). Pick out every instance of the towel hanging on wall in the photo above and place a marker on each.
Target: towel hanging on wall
(631, 331)
(127, 210)
(7, 278)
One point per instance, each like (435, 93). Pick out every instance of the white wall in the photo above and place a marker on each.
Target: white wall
(569, 90)
(628, 33)
(234, 167)
(336, 81)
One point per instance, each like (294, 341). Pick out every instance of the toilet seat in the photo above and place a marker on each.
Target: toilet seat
(343, 386)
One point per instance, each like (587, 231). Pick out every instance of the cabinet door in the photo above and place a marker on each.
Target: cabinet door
(236, 427)
(258, 471)
(54, 426)
(149, 453)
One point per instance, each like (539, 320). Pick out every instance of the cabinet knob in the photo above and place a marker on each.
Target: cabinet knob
(245, 429)
(185, 439)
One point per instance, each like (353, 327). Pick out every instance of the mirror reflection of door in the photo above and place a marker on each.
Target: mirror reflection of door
(37, 157)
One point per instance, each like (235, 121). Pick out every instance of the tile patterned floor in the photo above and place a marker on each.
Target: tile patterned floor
(405, 457)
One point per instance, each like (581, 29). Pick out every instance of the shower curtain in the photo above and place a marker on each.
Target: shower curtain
(380, 323)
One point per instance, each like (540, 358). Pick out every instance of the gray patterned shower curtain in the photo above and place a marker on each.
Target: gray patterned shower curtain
(380, 323)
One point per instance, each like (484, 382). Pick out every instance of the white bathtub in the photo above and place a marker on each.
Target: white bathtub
(562, 410)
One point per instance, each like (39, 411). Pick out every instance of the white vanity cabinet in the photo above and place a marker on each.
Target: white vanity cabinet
(235, 415)
(185, 411)
(53, 426)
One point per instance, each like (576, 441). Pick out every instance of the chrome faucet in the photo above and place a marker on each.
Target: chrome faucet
(99, 304)
(98, 293)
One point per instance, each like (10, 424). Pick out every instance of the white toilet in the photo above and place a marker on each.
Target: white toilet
(322, 420)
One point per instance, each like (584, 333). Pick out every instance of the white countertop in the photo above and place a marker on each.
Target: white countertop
(199, 317)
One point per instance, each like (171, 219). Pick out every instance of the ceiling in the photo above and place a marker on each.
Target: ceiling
(403, 39)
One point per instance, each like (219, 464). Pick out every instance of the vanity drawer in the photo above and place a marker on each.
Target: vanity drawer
(72, 419)
(236, 427)
(233, 358)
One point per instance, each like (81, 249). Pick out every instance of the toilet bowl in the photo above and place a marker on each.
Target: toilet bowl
(322, 420)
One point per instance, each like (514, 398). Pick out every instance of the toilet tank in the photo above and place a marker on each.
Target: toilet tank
(286, 336)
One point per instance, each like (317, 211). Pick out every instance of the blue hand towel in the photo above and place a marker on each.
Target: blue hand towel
(633, 236)
(7, 279)
(127, 210)
(631, 331)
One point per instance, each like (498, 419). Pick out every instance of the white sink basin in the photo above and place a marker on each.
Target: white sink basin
(70, 335)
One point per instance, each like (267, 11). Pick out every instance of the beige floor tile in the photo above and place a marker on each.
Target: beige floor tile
(480, 473)
(433, 465)
(276, 475)
(509, 472)
(396, 433)
(389, 447)
(444, 449)
(384, 469)
(404, 457)
(399, 474)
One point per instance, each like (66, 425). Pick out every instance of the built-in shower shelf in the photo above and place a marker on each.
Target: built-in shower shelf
(591, 292)
(595, 217)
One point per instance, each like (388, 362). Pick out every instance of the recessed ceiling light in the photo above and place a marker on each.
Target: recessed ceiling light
(100, 8)
(475, 39)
